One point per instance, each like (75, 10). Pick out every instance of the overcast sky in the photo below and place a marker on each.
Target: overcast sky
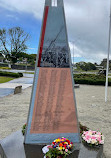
(87, 24)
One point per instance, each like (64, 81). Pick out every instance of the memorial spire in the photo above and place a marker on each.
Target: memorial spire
(53, 110)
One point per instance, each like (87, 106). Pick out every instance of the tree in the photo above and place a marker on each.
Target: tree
(85, 66)
(95, 64)
(104, 63)
(12, 42)
(31, 58)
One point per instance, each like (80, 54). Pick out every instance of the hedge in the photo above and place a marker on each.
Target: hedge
(3, 65)
(11, 74)
(20, 74)
(5, 68)
(90, 79)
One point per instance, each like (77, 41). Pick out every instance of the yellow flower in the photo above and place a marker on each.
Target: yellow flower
(65, 142)
(60, 148)
(57, 140)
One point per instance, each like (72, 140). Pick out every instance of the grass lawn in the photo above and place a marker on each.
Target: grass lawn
(5, 79)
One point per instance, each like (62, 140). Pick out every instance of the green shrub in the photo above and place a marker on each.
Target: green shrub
(90, 79)
(20, 74)
(11, 74)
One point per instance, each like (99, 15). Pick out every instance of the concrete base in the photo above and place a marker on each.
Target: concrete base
(34, 151)
(91, 152)
(13, 147)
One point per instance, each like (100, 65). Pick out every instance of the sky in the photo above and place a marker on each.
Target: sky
(87, 25)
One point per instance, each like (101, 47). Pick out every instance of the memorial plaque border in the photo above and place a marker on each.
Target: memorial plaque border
(36, 138)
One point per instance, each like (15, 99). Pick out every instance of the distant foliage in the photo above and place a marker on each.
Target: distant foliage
(85, 66)
(104, 63)
(30, 58)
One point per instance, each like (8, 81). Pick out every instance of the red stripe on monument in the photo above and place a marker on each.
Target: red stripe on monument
(43, 34)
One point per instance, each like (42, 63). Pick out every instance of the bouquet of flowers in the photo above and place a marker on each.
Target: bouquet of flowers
(60, 148)
(93, 138)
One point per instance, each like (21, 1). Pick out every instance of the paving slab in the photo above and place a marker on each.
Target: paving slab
(8, 87)
(14, 70)
(28, 75)
(24, 80)
(5, 91)
(13, 85)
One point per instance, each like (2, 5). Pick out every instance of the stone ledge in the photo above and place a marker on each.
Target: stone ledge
(91, 152)
(13, 147)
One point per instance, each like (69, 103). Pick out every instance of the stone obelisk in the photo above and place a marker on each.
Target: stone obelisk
(52, 112)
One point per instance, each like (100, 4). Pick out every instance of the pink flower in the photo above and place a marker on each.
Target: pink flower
(93, 137)
(66, 150)
(88, 136)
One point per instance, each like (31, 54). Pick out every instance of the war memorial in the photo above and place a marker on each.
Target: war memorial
(52, 111)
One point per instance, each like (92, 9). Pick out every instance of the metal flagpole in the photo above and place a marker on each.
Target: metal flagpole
(73, 53)
(106, 88)
(73, 43)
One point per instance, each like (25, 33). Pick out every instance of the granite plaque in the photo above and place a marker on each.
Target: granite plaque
(54, 106)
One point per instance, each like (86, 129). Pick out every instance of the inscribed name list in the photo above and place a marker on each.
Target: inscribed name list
(54, 108)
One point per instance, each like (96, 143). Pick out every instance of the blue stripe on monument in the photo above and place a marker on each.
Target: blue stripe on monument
(48, 138)
(32, 105)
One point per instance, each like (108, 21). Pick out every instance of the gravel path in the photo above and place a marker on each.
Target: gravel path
(92, 111)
